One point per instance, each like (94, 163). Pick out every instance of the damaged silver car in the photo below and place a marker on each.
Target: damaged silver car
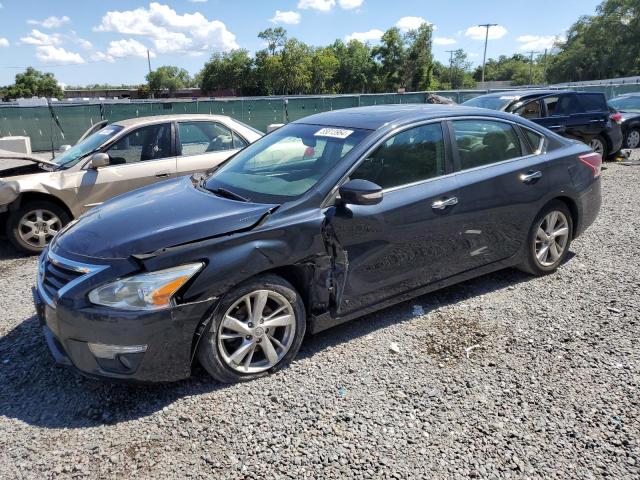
(38, 197)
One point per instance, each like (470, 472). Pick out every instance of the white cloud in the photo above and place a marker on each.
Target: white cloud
(443, 41)
(288, 17)
(4, 42)
(478, 33)
(169, 31)
(50, 22)
(36, 37)
(350, 4)
(51, 54)
(368, 36)
(538, 42)
(410, 23)
(127, 48)
(322, 5)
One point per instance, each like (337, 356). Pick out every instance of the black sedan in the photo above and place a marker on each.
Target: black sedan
(327, 219)
(629, 108)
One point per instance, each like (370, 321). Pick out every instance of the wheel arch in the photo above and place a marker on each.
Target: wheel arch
(573, 209)
(27, 197)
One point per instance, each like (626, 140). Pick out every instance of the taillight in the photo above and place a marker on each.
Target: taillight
(592, 160)
(616, 117)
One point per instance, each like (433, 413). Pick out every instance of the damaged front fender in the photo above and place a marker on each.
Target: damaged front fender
(9, 191)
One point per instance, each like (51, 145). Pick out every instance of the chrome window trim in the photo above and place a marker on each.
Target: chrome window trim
(380, 141)
(504, 120)
(88, 270)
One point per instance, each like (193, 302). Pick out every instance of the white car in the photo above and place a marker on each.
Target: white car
(38, 198)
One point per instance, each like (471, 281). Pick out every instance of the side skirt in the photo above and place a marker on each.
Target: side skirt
(323, 322)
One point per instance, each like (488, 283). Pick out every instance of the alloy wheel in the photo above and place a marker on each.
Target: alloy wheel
(598, 146)
(633, 139)
(551, 238)
(257, 331)
(37, 227)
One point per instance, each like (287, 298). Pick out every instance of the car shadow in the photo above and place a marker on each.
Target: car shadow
(34, 390)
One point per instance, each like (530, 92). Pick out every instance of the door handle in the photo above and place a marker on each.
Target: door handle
(529, 177)
(162, 175)
(597, 120)
(442, 204)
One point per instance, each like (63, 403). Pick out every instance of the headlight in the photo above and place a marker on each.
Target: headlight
(147, 291)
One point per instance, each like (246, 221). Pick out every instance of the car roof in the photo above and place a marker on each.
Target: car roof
(524, 93)
(129, 122)
(375, 117)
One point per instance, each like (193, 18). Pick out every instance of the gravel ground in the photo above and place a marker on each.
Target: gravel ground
(505, 376)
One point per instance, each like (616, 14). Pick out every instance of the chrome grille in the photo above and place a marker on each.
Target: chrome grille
(56, 275)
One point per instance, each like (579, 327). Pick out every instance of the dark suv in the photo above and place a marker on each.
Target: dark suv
(578, 115)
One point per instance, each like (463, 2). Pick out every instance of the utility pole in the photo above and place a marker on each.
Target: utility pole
(486, 40)
(544, 76)
(531, 53)
(450, 52)
(149, 64)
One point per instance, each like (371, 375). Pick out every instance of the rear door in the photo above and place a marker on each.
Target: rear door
(204, 144)
(408, 240)
(553, 118)
(501, 179)
(141, 157)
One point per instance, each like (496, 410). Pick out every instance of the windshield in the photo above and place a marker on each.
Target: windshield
(629, 104)
(286, 163)
(490, 102)
(72, 156)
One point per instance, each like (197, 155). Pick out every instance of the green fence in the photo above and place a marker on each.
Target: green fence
(40, 123)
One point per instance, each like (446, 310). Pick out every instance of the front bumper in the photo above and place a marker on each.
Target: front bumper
(168, 334)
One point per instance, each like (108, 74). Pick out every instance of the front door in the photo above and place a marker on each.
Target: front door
(408, 239)
(139, 158)
(204, 145)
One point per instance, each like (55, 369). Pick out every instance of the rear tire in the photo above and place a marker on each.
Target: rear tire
(599, 145)
(258, 329)
(548, 240)
(31, 227)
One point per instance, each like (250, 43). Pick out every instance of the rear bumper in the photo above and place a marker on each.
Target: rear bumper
(615, 137)
(168, 336)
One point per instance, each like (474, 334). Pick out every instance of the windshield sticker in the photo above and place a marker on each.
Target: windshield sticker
(508, 98)
(333, 133)
(106, 131)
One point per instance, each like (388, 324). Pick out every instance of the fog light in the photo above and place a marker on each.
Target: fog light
(110, 351)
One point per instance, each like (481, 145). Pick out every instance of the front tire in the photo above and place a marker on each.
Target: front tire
(548, 240)
(31, 227)
(258, 329)
(632, 139)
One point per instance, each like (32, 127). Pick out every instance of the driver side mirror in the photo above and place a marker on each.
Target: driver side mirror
(99, 160)
(360, 192)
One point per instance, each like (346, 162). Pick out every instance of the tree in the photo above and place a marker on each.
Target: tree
(323, 67)
(605, 45)
(227, 71)
(356, 68)
(33, 83)
(296, 67)
(419, 59)
(390, 55)
(168, 78)
(517, 68)
(275, 38)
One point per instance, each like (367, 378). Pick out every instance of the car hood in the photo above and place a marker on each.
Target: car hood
(8, 155)
(159, 216)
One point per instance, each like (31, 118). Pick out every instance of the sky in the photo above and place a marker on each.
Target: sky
(92, 41)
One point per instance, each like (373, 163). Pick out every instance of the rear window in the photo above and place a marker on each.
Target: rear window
(593, 102)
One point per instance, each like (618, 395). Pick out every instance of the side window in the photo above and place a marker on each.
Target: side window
(550, 104)
(203, 137)
(481, 142)
(146, 143)
(529, 110)
(593, 102)
(410, 156)
(238, 141)
(568, 105)
(535, 140)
